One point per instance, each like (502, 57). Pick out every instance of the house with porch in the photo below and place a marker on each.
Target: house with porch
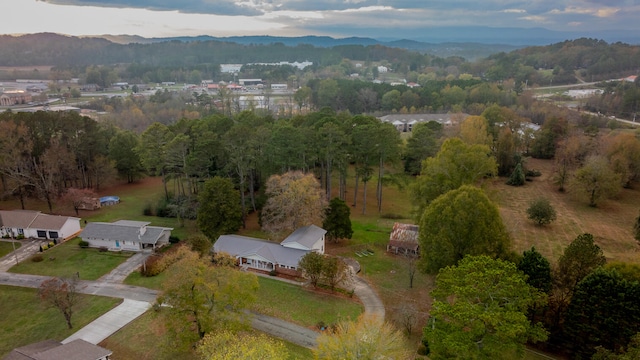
(264, 255)
(125, 235)
(36, 225)
(404, 239)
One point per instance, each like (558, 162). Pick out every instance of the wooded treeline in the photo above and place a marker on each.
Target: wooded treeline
(45, 153)
(589, 59)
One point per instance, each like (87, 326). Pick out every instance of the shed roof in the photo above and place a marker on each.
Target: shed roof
(404, 236)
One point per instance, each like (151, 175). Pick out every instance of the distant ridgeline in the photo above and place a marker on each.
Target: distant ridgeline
(59, 50)
(594, 59)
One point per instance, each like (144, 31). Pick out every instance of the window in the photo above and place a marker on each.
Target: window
(53, 234)
(42, 234)
(20, 231)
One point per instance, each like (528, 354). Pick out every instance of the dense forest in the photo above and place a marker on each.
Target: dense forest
(569, 61)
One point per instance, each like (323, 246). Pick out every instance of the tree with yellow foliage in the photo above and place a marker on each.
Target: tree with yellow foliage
(229, 345)
(369, 337)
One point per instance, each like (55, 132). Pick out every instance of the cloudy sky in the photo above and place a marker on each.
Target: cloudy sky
(337, 18)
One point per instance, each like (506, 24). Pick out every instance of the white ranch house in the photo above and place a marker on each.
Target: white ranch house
(36, 225)
(264, 255)
(125, 235)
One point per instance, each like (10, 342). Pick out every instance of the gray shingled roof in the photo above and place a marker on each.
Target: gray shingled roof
(122, 231)
(52, 350)
(306, 236)
(23, 219)
(242, 246)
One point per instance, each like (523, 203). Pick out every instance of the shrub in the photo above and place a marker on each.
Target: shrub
(51, 244)
(152, 266)
(273, 272)
(159, 263)
(148, 210)
(392, 216)
(533, 173)
(103, 249)
(37, 258)
(174, 239)
(162, 209)
(20, 237)
(83, 244)
(541, 211)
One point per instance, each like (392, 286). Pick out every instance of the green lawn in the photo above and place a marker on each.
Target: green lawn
(25, 319)
(283, 300)
(299, 305)
(66, 259)
(153, 282)
(6, 247)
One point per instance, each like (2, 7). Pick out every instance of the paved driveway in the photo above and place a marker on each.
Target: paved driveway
(28, 248)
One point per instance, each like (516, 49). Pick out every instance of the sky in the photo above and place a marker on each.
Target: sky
(410, 19)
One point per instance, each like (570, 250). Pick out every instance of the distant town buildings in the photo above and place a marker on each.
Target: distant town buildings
(14, 97)
(405, 122)
(235, 68)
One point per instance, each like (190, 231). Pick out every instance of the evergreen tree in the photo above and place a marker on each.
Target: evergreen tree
(517, 177)
(537, 269)
(337, 221)
(219, 212)
(604, 311)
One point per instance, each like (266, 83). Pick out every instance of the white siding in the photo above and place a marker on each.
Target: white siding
(319, 245)
(70, 228)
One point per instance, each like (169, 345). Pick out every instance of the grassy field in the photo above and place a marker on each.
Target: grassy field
(611, 223)
(66, 259)
(6, 247)
(25, 319)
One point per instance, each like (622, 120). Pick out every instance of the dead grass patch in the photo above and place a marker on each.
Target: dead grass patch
(611, 223)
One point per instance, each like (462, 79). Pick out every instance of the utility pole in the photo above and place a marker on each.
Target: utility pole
(13, 244)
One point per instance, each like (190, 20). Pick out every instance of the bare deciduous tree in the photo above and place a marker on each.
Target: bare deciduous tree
(61, 294)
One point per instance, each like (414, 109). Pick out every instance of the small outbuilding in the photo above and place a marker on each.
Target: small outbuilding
(404, 239)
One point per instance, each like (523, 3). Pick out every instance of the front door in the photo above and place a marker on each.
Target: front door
(117, 243)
